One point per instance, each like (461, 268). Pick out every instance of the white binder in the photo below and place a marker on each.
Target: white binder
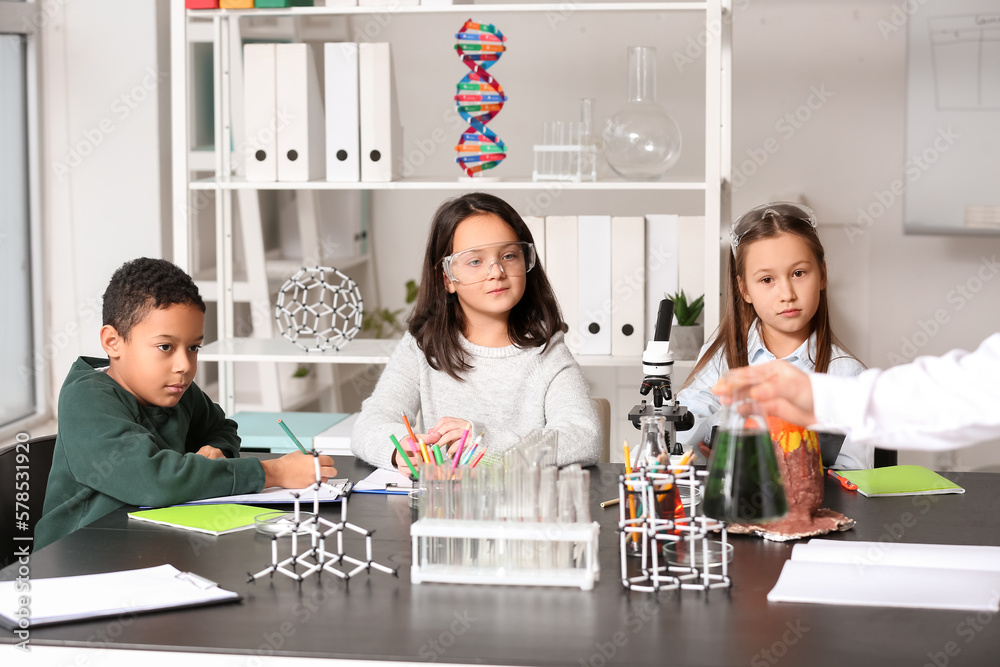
(661, 264)
(691, 260)
(562, 267)
(343, 143)
(260, 143)
(628, 285)
(378, 135)
(536, 225)
(594, 270)
(301, 126)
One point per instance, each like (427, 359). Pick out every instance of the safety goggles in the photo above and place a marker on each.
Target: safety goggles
(745, 222)
(474, 265)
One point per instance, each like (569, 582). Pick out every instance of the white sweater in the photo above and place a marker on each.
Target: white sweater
(509, 392)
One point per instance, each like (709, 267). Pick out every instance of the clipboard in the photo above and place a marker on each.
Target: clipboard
(386, 482)
(67, 599)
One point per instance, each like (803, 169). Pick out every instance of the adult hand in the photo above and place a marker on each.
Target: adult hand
(296, 470)
(211, 452)
(781, 389)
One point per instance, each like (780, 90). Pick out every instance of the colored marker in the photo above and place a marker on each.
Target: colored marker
(292, 436)
(399, 448)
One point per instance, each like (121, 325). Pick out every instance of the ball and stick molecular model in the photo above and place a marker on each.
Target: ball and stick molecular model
(479, 97)
(316, 558)
(321, 303)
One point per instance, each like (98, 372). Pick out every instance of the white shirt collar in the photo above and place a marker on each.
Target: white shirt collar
(757, 353)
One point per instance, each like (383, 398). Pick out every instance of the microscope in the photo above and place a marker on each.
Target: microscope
(657, 364)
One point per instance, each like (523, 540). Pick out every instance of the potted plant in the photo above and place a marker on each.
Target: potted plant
(687, 336)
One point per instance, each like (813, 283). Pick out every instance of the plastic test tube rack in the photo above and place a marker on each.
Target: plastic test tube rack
(690, 533)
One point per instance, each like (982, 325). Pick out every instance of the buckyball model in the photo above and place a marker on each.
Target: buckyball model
(320, 306)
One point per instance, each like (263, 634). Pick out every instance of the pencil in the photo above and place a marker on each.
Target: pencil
(631, 500)
(609, 503)
(438, 456)
(478, 457)
(292, 436)
(409, 429)
(399, 448)
(423, 450)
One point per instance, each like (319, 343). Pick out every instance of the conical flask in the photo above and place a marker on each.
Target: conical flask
(744, 483)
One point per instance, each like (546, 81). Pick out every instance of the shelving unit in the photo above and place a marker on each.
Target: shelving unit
(225, 184)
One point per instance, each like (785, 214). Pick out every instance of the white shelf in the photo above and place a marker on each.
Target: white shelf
(459, 9)
(359, 351)
(237, 183)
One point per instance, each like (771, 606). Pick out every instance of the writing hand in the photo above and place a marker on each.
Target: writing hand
(296, 470)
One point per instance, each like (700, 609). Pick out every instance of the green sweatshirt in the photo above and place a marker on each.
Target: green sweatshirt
(110, 452)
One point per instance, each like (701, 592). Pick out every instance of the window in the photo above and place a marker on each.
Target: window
(22, 397)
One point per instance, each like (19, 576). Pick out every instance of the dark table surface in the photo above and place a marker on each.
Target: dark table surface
(378, 617)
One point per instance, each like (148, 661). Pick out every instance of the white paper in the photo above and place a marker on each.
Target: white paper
(276, 495)
(918, 576)
(110, 594)
(384, 480)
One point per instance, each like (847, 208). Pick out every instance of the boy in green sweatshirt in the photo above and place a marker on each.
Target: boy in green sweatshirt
(134, 429)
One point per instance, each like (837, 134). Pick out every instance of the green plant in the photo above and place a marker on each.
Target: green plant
(383, 322)
(686, 313)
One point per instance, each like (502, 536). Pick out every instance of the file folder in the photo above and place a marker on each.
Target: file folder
(562, 259)
(628, 285)
(661, 265)
(343, 143)
(378, 135)
(536, 225)
(259, 99)
(301, 124)
(691, 255)
(594, 271)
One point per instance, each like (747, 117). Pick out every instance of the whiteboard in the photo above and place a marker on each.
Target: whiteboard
(951, 176)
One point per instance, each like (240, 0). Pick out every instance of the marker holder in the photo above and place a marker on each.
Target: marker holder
(654, 529)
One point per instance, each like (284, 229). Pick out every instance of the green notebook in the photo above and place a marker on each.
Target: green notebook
(900, 481)
(211, 519)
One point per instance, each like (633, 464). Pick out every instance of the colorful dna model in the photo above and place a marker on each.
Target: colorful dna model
(479, 97)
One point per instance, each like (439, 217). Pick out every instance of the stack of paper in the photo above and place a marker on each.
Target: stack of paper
(877, 574)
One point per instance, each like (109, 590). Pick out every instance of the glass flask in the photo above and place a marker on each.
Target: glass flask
(641, 140)
(744, 483)
(652, 440)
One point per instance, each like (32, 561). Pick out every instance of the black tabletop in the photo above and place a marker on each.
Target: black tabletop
(379, 617)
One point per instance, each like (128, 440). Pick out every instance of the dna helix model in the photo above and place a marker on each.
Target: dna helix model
(479, 97)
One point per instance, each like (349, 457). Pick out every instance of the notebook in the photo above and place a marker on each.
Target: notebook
(211, 519)
(63, 599)
(900, 481)
(877, 574)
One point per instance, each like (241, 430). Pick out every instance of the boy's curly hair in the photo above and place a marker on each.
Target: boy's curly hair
(139, 286)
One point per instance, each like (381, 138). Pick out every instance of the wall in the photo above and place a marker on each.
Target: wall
(103, 178)
(842, 153)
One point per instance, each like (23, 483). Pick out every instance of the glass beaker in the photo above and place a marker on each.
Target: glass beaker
(744, 484)
(652, 440)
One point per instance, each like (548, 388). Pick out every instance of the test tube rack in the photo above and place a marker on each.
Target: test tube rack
(316, 558)
(639, 489)
(565, 162)
(489, 552)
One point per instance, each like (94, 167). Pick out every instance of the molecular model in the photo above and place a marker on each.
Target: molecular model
(316, 558)
(322, 303)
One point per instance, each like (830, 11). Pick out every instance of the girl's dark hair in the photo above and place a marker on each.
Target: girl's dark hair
(738, 315)
(142, 285)
(437, 322)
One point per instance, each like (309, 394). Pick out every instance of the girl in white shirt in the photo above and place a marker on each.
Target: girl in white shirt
(776, 308)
